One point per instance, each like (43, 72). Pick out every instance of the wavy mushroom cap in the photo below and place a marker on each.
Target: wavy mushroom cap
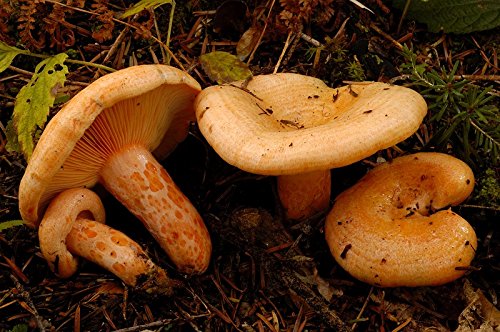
(386, 230)
(150, 105)
(288, 123)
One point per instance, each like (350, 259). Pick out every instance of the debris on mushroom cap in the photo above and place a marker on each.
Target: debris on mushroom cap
(289, 123)
(106, 134)
(386, 230)
(73, 226)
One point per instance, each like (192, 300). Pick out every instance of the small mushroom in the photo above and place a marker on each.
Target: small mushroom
(394, 228)
(297, 128)
(73, 226)
(105, 134)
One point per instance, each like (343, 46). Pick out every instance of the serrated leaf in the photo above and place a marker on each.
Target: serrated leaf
(11, 223)
(7, 55)
(144, 4)
(223, 67)
(35, 99)
(457, 16)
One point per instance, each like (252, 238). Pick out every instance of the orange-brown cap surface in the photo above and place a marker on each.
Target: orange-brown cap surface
(386, 230)
(134, 101)
(289, 123)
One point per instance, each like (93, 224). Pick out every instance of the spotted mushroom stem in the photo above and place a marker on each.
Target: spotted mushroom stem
(66, 233)
(303, 195)
(118, 254)
(142, 185)
(58, 222)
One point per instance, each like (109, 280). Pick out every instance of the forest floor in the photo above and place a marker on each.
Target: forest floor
(266, 273)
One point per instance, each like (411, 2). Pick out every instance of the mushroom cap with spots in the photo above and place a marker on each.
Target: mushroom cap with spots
(394, 227)
(288, 123)
(155, 103)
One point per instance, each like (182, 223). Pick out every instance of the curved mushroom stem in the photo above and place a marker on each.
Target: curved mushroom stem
(118, 254)
(65, 231)
(58, 222)
(303, 195)
(140, 183)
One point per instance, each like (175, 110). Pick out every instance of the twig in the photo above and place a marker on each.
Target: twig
(114, 47)
(363, 308)
(78, 62)
(287, 43)
(403, 16)
(250, 58)
(484, 133)
(121, 22)
(310, 40)
(387, 36)
(402, 325)
(26, 296)
(159, 323)
(478, 77)
(472, 206)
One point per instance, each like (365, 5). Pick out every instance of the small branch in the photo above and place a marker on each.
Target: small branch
(159, 323)
(484, 133)
(287, 43)
(477, 77)
(78, 62)
(250, 58)
(26, 297)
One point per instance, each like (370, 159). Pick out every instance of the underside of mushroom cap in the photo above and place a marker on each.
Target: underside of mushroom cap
(386, 230)
(288, 123)
(149, 105)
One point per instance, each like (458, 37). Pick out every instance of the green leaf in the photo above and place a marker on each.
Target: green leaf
(8, 224)
(144, 4)
(11, 134)
(223, 67)
(7, 55)
(35, 99)
(457, 16)
(20, 328)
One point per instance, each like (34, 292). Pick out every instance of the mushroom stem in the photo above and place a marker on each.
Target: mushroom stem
(140, 183)
(118, 254)
(67, 232)
(303, 195)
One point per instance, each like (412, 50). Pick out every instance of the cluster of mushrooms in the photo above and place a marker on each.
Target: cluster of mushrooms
(390, 229)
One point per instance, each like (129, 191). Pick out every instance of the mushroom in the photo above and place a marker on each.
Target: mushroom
(387, 231)
(73, 226)
(297, 128)
(105, 134)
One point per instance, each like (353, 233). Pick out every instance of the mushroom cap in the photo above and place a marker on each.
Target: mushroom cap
(289, 123)
(385, 229)
(151, 105)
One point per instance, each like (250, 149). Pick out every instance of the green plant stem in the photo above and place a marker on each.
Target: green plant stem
(169, 30)
(484, 133)
(78, 62)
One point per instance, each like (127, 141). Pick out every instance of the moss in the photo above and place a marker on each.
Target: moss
(488, 189)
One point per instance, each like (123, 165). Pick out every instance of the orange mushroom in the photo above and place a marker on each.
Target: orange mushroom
(297, 128)
(73, 226)
(393, 227)
(105, 134)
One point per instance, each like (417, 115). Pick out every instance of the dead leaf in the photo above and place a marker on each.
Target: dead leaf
(247, 42)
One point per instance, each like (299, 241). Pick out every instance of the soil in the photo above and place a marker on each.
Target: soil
(266, 273)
